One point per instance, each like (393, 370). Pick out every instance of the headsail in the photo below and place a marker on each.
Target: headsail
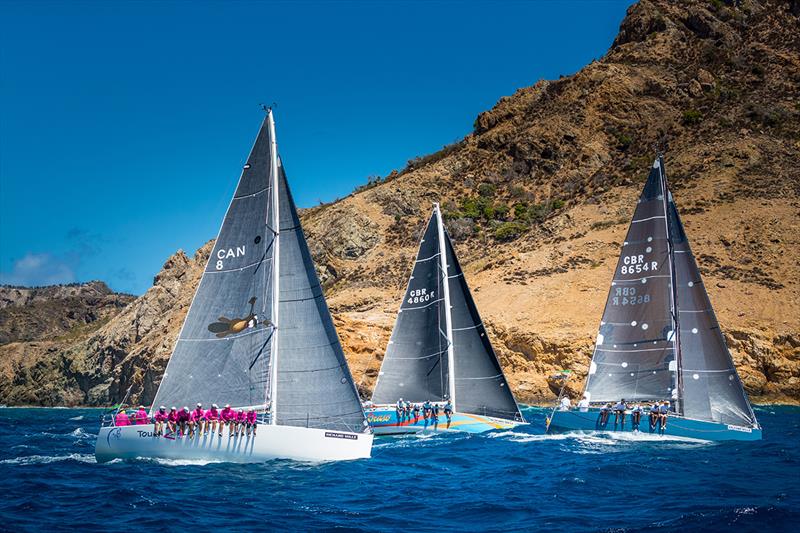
(634, 355)
(223, 351)
(315, 388)
(481, 386)
(415, 366)
(711, 389)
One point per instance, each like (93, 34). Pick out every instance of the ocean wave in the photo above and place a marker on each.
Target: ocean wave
(79, 417)
(45, 459)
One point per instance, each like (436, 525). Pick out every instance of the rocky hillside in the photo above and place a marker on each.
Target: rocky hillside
(538, 198)
(47, 312)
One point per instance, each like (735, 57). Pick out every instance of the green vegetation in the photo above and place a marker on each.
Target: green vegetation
(692, 117)
(487, 190)
(508, 231)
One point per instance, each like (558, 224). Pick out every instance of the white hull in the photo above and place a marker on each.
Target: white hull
(271, 442)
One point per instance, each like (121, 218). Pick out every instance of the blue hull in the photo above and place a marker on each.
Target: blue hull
(589, 421)
(384, 421)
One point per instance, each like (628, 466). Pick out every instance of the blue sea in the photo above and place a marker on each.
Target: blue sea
(501, 481)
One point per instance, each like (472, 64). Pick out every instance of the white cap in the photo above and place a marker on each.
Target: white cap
(163, 408)
(214, 405)
(199, 404)
(227, 405)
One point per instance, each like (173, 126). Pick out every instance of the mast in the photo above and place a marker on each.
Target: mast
(273, 375)
(673, 289)
(451, 376)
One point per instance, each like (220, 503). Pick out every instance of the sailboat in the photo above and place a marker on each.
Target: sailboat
(258, 336)
(439, 352)
(659, 340)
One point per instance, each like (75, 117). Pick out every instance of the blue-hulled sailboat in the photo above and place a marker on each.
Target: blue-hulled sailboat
(659, 340)
(439, 354)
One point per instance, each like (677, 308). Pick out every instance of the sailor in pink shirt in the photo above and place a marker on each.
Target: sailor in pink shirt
(183, 419)
(212, 415)
(160, 418)
(172, 420)
(227, 416)
(252, 421)
(122, 418)
(141, 416)
(197, 420)
(241, 421)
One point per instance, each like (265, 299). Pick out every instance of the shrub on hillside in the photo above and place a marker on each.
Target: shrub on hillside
(508, 231)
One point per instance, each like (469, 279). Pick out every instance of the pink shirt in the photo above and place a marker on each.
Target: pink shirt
(252, 417)
(197, 415)
(160, 417)
(141, 417)
(241, 416)
(122, 419)
(227, 414)
(212, 414)
(172, 416)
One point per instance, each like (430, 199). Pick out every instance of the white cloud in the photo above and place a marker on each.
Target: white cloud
(38, 269)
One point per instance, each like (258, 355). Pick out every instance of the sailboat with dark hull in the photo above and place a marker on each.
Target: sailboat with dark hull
(258, 336)
(659, 339)
(439, 351)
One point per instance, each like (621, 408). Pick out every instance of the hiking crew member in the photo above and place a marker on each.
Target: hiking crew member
(121, 419)
(663, 412)
(212, 416)
(160, 419)
(636, 417)
(416, 413)
(426, 411)
(435, 415)
(252, 421)
(619, 413)
(654, 414)
(183, 420)
(241, 421)
(565, 404)
(400, 411)
(448, 412)
(141, 416)
(172, 420)
(583, 404)
(408, 410)
(197, 420)
(604, 412)
(227, 416)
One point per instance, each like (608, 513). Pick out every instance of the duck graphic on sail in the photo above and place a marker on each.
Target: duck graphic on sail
(659, 341)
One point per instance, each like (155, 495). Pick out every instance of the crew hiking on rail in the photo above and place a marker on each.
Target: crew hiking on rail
(409, 414)
(197, 422)
(657, 414)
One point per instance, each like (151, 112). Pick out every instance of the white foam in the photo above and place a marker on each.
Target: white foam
(45, 459)
(179, 462)
(79, 417)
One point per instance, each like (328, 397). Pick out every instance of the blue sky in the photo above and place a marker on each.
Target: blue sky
(124, 125)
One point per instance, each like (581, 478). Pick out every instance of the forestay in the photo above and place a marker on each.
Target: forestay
(634, 355)
(711, 389)
(415, 366)
(222, 354)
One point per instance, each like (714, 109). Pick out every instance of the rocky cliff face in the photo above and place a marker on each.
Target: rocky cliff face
(537, 199)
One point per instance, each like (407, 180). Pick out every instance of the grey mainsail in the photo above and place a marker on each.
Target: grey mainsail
(241, 346)
(634, 355)
(710, 386)
(480, 385)
(415, 366)
(222, 354)
(314, 385)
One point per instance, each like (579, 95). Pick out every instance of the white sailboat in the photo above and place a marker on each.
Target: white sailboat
(258, 335)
